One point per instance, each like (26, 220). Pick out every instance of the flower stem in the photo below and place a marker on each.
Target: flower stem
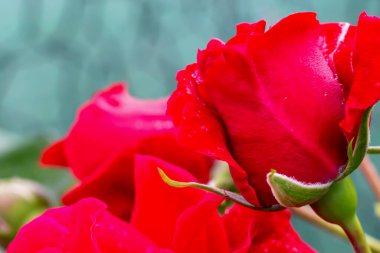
(338, 206)
(307, 214)
(355, 234)
(373, 150)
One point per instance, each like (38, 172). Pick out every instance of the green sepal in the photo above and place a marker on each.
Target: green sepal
(290, 192)
(377, 209)
(350, 150)
(339, 204)
(356, 156)
(237, 198)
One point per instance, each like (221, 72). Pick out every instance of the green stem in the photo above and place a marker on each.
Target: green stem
(338, 206)
(355, 234)
(375, 150)
(308, 215)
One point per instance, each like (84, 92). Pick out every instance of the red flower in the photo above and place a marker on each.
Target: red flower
(100, 147)
(276, 99)
(165, 219)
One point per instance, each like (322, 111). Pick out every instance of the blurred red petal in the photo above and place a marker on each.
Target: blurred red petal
(83, 227)
(54, 154)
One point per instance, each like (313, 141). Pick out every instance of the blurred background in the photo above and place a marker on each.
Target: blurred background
(55, 53)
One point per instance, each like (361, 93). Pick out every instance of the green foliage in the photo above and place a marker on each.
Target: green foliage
(23, 161)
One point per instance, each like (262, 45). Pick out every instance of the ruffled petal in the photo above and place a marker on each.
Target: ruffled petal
(339, 43)
(365, 90)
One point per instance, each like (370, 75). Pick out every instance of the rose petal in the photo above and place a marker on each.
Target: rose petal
(154, 196)
(55, 154)
(207, 234)
(188, 111)
(365, 90)
(255, 231)
(83, 227)
(339, 42)
(113, 183)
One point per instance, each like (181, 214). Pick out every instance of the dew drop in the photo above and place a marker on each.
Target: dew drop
(204, 128)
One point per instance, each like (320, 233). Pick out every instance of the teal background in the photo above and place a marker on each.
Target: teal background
(54, 54)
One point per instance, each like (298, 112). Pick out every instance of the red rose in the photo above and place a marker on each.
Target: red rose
(109, 130)
(289, 98)
(164, 219)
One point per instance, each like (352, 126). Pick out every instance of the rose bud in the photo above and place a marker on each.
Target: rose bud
(284, 106)
(20, 201)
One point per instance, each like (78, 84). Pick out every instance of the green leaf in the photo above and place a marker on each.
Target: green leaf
(356, 156)
(22, 161)
(290, 192)
(237, 198)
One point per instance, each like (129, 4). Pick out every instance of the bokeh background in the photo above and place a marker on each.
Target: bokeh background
(55, 53)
